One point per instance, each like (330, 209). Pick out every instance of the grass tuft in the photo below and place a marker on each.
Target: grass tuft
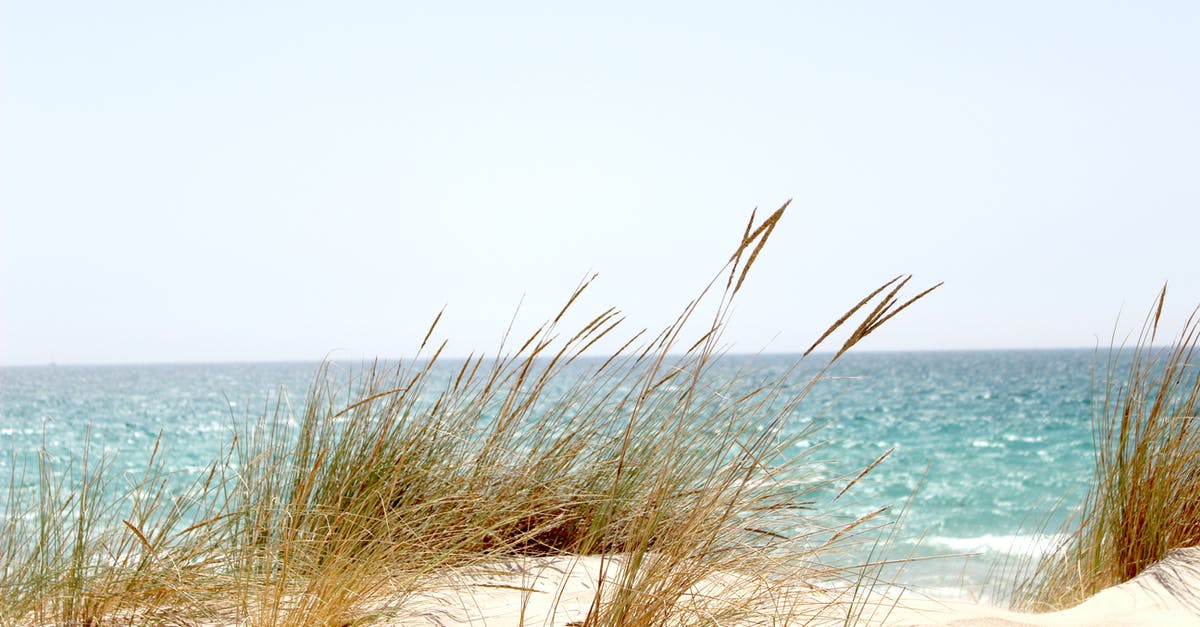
(1145, 495)
(390, 477)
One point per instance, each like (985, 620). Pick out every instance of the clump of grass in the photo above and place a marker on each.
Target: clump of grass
(78, 547)
(1145, 496)
(675, 473)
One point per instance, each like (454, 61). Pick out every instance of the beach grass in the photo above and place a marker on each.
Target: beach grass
(1144, 499)
(390, 476)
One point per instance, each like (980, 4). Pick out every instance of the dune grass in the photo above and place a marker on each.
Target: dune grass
(392, 475)
(1144, 499)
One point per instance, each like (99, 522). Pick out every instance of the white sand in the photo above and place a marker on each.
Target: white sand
(559, 591)
(1166, 594)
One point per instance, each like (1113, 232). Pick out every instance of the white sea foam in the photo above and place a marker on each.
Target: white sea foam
(1034, 545)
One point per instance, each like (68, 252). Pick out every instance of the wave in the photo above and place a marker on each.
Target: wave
(1034, 545)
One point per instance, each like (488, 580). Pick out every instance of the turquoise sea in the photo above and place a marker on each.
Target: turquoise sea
(985, 442)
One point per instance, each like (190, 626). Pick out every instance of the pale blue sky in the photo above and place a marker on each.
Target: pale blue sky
(216, 181)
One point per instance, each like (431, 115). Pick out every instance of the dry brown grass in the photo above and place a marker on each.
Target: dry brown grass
(392, 475)
(1145, 494)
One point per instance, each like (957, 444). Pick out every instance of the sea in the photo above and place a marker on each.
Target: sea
(991, 450)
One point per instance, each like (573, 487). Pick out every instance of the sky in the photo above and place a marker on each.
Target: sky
(233, 181)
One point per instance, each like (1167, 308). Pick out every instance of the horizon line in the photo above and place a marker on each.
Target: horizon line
(392, 359)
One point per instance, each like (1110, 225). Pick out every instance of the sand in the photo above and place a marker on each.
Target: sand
(558, 591)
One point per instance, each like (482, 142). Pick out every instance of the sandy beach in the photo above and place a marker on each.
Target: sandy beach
(558, 591)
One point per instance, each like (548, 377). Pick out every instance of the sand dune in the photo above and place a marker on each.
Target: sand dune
(1166, 594)
(559, 591)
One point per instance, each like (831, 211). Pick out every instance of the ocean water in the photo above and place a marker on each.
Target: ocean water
(985, 444)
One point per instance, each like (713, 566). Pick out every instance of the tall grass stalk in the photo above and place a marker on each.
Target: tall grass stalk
(1145, 495)
(389, 477)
